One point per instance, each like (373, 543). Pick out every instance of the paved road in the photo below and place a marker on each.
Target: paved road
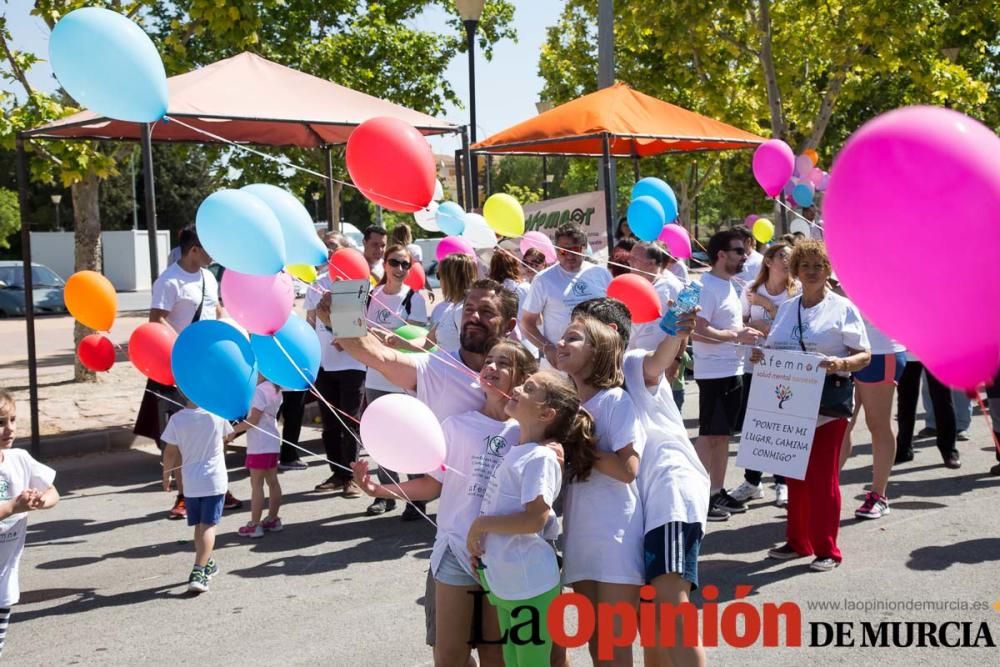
(104, 573)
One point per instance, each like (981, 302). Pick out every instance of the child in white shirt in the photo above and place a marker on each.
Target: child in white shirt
(263, 452)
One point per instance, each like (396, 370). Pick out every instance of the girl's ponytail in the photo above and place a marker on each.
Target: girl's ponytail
(580, 446)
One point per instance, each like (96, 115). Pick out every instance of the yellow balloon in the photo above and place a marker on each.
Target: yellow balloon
(763, 230)
(504, 215)
(303, 272)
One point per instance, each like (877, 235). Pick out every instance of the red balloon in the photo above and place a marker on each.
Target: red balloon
(149, 349)
(96, 352)
(348, 264)
(392, 164)
(416, 279)
(638, 295)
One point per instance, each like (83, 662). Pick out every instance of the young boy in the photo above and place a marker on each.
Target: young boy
(25, 485)
(194, 440)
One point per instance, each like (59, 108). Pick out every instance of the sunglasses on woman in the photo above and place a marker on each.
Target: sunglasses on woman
(399, 264)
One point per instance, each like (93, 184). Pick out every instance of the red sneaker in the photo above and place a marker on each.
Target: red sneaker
(231, 503)
(179, 510)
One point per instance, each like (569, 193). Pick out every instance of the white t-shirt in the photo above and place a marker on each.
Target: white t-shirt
(521, 290)
(602, 521)
(415, 253)
(476, 445)
(881, 344)
(555, 292)
(673, 484)
(18, 472)
(378, 270)
(385, 311)
(179, 293)
(199, 435)
(265, 439)
(751, 268)
(758, 313)
(832, 328)
(446, 385)
(720, 307)
(520, 567)
(679, 271)
(332, 359)
(648, 335)
(447, 317)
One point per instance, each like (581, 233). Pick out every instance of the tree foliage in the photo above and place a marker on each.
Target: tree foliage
(10, 215)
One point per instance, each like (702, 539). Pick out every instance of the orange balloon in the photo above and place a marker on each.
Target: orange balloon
(91, 299)
(812, 155)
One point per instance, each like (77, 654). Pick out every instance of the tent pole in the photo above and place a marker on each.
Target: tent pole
(489, 175)
(331, 224)
(635, 168)
(29, 301)
(609, 190)
(460, 191)
(150, 200)
(470, 195)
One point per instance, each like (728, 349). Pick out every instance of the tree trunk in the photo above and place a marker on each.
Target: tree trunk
(778, 128)
(87, 226)
(826, 107)
(337, 189)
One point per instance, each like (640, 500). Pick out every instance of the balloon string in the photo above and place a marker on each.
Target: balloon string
(989, 421)
(797, 214)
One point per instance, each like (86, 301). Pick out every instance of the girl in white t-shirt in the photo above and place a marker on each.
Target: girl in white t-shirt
(477, 442)
(457, 273)
(511, 540)
(603, 557)
(263, 450)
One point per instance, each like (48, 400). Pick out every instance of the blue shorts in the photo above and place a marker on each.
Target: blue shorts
(206, 510)
(883, 369)
(673, 549)
(450, 571)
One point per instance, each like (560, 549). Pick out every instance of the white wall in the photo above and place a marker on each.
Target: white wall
(125, 255)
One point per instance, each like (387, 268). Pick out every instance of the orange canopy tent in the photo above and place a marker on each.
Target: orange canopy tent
(616, 122)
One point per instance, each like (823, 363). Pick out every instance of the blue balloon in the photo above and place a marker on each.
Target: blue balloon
(214, 366)
(109, 65)
(661, 192)
(241, 233)
(302, 243)
(645, 218)
(300, 342)
(451, 218)
(803, 195)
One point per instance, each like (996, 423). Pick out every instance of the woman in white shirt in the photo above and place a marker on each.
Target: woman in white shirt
(457, 272)
(392, 305)
(477, 442)
(829, 326)
(603, 543)
(506, 270)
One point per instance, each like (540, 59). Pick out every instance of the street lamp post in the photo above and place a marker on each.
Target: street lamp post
(56, 199)
(471, 11)
(316, 196)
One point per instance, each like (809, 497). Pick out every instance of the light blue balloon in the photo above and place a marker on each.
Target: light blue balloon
(645, 218)
(661, 192)
(302, 243)
(109, 65)
(451, 218)
(214, 366)
(300, 342)
(241, 233)
(803, 195)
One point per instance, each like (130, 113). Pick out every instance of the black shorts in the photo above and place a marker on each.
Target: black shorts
(719, 402)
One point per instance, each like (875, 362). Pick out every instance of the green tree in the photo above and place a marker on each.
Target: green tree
(10, 216)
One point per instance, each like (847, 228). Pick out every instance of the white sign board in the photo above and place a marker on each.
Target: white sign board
(781, 414)
(586, 210)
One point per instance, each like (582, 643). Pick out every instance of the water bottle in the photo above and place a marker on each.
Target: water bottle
(687, 300)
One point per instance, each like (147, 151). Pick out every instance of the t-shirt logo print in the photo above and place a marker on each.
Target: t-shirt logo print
(383, 316)
(495, 444)
(579, 288)
(4, 490)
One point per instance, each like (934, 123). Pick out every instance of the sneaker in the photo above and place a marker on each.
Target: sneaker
(730, 504)
(995, 470)
(198, 581)
(211, 568)
(824, 565)
(781, 495)
(231, 503)
(297, 464)
(272, 525)
(252, 530)
(381, 506)
(953, 461)
(715, 512)
(329, 484)
(874, 507)
(747, 491)
(904, 455)
(179, 510)
(927, 432)
(962, 436)
(411, 512)
(352, 490)
(784, 552)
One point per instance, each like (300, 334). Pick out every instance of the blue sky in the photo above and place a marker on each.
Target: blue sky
(506, 91)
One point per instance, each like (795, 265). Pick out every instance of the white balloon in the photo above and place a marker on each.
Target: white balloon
(799, 225)
(438, 190)
(478, 232)
(426, 217)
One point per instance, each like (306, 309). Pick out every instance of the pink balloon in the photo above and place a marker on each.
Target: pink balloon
(449, 245)
(260, 304)
(402, 434)
(824, 182)
(748, 221)
(677, 241)
(773, 164)
(877, 228)
(541, 243)
(815, 176)
(803, 166)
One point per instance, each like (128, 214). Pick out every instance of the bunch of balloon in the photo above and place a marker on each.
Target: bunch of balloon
(653, 205)
(92, 301)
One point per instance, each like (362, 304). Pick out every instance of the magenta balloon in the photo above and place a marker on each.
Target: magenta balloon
(677, 241)
(824, 182)
(803, 166)
(773, 164)
(260, 304)
(750, 219)
(541, 243)
(402, 434)
(449, 245)
(880, 230)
